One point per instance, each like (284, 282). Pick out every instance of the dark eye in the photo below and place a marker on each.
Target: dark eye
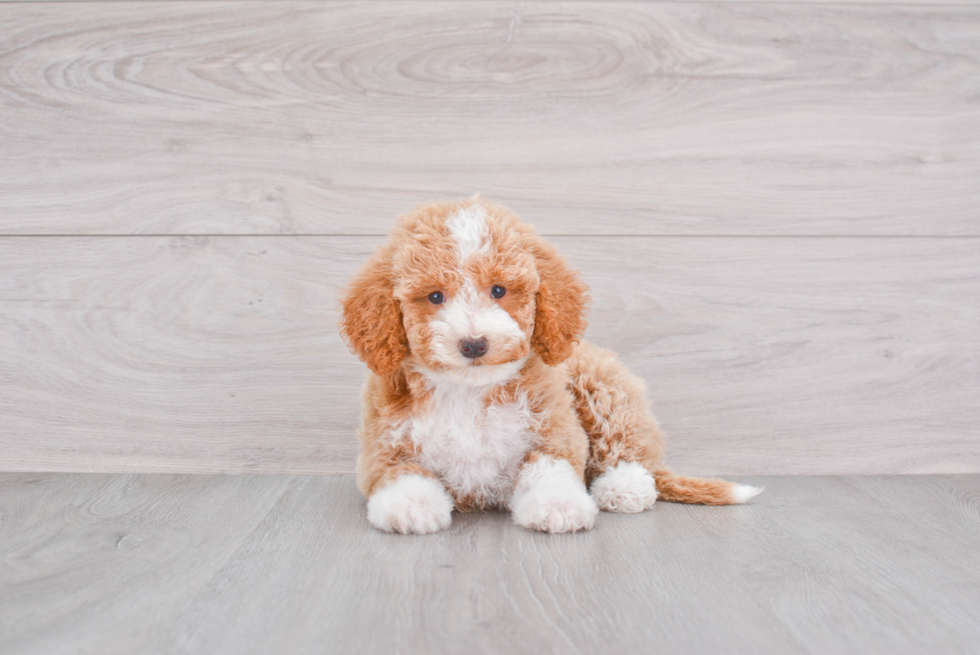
(497, 291)
(436, 297)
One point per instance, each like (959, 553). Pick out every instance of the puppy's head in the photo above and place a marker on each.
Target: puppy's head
(466, 290)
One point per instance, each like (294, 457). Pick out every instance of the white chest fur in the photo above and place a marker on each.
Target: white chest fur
(475, 447)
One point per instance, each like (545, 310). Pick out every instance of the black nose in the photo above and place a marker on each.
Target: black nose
(473, 348)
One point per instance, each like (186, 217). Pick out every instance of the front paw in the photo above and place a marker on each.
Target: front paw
(411, 504)
(556, 513)
(551, 498)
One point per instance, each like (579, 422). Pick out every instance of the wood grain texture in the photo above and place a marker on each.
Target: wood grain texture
(258, 564)
(941, 3)
(762, 355)
(626, 118)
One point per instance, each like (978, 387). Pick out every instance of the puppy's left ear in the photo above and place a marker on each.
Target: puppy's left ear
(562, 299)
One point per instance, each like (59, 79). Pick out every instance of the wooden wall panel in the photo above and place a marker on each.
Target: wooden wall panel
(220, 354)
(627, 118)
(788, 192)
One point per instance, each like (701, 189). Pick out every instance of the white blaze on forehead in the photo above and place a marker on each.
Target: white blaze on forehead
(468, 228)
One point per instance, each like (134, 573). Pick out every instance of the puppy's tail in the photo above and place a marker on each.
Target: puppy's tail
(701, 491)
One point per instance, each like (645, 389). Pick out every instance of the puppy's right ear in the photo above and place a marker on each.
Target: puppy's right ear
(372, 322)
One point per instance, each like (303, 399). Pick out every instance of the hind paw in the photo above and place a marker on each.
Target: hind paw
(627, 487)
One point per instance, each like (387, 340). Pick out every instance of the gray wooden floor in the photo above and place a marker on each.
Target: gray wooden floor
(109, 564)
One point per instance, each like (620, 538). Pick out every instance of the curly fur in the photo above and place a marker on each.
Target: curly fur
(372, 324)
(528, 424)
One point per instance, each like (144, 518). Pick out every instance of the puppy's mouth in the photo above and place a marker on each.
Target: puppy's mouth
(482, 361)
(477, 373)
(489, 364)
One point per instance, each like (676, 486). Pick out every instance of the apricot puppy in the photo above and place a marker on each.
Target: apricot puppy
(481, 393)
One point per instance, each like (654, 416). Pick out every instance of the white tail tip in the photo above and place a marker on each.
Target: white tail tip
(743, 493)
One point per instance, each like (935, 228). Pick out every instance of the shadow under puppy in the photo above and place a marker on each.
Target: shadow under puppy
(482, 395)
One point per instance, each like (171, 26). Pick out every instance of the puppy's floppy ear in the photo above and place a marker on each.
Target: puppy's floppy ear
(562, 298)
(372, 321)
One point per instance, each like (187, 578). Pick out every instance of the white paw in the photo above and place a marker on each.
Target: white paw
(627, 487)
(411, 504)
(550, 497)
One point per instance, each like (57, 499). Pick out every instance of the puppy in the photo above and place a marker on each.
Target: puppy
(481, 393)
